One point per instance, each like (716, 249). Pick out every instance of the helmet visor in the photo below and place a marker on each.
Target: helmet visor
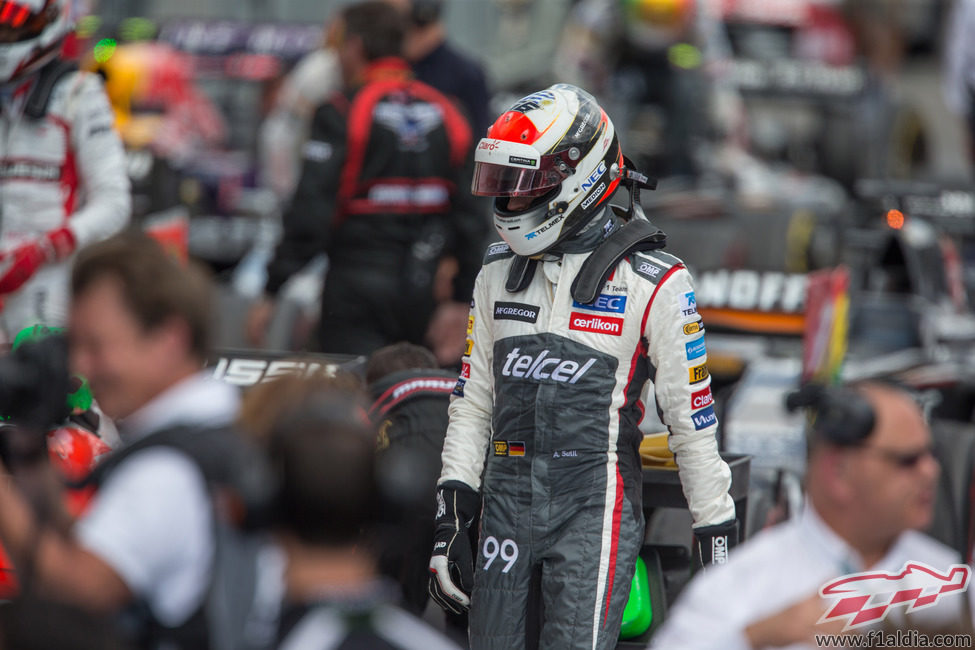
(501, 180)
(22, 21)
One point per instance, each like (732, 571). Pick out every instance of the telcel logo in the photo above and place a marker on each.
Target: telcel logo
(605, 302)
(543, 367)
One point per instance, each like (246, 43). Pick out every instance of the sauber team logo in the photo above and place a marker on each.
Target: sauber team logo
(864, 598)
(595, 324)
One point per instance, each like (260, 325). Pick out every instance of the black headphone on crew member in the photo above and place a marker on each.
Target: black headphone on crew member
(840, 415)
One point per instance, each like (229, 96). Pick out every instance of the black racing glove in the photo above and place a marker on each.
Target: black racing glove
(714, 542)
(452, 562)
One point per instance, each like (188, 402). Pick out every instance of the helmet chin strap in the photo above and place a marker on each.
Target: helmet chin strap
(634, 182)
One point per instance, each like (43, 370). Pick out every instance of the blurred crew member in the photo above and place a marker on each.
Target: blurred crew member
(284, 132)
(63, 182)
(959, 67)
(437, 63)
(329, 506)
(568, 322)
(870, 486)
(139, 331)
(382, 193)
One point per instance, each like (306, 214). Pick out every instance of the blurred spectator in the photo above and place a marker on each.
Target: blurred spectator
(959, 67)
(411, 396)
(384, 193)
(285, 130)
(329, 504)
(139, 331)
(870, 485)
(64, 182)
(658, 67)
(437, 63)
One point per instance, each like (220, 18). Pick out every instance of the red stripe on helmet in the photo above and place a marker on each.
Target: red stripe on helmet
(8, 8)
(514, 127)
(21, 17)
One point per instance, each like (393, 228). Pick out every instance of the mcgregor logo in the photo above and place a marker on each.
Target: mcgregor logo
(596, 324)
(864, 598)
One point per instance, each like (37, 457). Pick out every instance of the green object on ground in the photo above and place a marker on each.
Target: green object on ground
(639, 611)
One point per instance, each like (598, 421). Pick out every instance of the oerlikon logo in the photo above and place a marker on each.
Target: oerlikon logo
(867, 597)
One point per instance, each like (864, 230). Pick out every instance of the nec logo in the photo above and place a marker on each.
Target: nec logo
(589, 182)
(595, 324)
(917, 585)
(705, 418)
(541, 367)
(701, 398)
(609, 303)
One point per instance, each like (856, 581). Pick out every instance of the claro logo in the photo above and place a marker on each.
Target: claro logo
(596, 324)
(544, 367)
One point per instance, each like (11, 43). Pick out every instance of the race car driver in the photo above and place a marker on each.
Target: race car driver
(63, 181)
(566, 325)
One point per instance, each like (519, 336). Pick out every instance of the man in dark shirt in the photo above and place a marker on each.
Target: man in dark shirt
(384, 192)
(439, 64)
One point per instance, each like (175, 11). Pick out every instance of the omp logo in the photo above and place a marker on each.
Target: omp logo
(515, 311)
(593, 177)
(595, 324)
(704, 419)
(701, 398)
(596, 193)
(604, 302)
(719, 549)
(499, 249)
(696, 349)
(688, 304)
(698, 373)
(543, 367)
(649, 269)
(692, 328)
(868, 597)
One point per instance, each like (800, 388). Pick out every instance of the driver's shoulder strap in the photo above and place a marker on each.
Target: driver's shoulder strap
(637, 235)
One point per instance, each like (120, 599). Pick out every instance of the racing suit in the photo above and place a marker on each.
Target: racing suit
(383, 192)
(66, 168)
(547, 406)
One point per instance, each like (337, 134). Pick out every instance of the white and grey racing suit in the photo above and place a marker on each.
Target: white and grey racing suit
(547, 407)
(64, 169)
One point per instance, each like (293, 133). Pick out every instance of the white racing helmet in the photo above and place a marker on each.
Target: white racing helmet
(558, 148)
(31, 34)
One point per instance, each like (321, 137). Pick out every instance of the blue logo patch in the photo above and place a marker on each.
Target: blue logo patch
(704, 419)
(459, 388)
(696, 349)
(605, 302)
(531, 235)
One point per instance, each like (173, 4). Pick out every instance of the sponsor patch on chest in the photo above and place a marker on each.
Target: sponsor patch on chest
(595, 323)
